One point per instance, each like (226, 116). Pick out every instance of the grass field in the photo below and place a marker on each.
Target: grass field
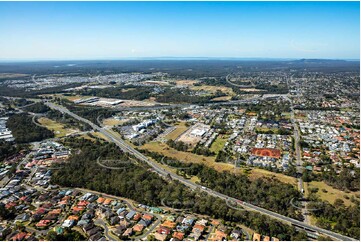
(332, 194)
(286, 115)
(258, 173)
(99, 135)
(58, 128)
(179, 155)
(112, 122)
(86, 136)
(218, 144)
(178, 131)
(264, 129)
(96, 134)
(214, 89)
(70, 98)
(209, 161)
(186, 82)
(224, 98)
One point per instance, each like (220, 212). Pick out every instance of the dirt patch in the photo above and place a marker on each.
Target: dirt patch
(186, 82)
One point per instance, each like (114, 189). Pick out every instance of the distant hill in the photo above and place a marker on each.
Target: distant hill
(186, 68)
(323, 61)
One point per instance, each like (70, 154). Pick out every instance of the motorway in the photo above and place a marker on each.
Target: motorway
(157, 168)
(169, 106)
(299, 163)
(237, 85)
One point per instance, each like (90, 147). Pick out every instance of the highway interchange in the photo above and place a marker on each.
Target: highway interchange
(312, 230)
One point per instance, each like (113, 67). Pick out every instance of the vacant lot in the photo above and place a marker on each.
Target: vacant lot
(218, 144)
(251, 90)
(330, 194)
(12, 75)
(180, 128)
(58, 128)
(258, 173)
(186, 82)
(209, 161)
(112, 121)
(224, 98)
(214, 89)
(91, 135)
(179, 155)
(265, 129)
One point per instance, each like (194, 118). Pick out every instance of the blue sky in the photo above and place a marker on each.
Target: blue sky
(112, 30)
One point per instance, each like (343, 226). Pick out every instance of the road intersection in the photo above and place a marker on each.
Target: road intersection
(161, 171)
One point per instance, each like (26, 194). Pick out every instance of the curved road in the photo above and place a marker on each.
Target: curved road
(237, 85)
(126, 148)
(101, 223)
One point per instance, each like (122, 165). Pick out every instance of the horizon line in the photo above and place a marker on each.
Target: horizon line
(5, 60)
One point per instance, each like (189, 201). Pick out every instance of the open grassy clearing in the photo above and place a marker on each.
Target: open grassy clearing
(70, 98)
(258, 173)
(195, 179)
(12, 75)
(286, 115)
(218, 144)
(86, 136)
(265, 129)
(332, 194)
(312, 219)
(112, 121)
(99, 135)
(186, 82)
(251, 89)
(180, 128)
(224, 98)
(91, 135)
(214, 89)
(173, 153)
(210, 162)
(58, 128)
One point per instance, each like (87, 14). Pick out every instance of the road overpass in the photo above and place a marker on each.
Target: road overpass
(157, 168)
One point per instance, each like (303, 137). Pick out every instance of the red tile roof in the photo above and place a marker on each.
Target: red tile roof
(274, 153)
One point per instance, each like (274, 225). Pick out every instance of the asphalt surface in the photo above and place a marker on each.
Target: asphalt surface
(127, 148)
(237, 85)
(101, 223)
(108, 235)
(299, 162)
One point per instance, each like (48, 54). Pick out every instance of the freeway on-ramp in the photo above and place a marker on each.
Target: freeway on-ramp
(157, 168)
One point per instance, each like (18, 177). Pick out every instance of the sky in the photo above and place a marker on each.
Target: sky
(116, 30)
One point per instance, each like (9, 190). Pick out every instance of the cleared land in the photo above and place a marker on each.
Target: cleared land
(286, 115)
(189, 139)
(112, 121)
(12, 75)
(251, 90)
(210, 161)
(218, 144)
(180, 128)
(91, 135)
(58, 128)
(258, 173)
(186, 82)
(224, 98)
(179, 155)
(332, 194)
(265, 129)
(70, 98)
(214, 89)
